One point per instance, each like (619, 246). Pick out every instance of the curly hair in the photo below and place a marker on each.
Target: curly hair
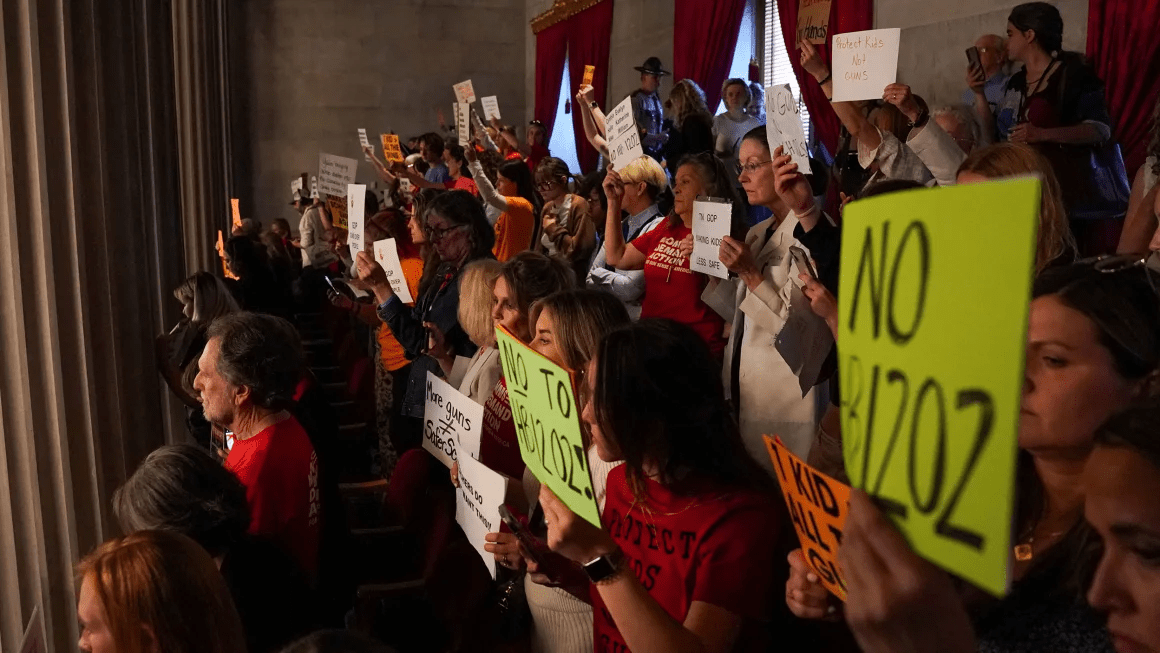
(691, 100)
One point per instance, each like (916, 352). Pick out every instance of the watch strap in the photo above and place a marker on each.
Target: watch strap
(605, 568)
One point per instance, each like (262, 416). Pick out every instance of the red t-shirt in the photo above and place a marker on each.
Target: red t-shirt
(671, 289)
(279, 468)
(463, 183)
(498, 447)
(716, 547)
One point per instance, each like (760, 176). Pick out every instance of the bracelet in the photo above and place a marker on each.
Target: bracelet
(922, 118)
(827, 78)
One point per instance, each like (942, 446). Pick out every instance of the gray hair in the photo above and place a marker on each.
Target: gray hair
(965, 116)
(181, 488)
(262, 353)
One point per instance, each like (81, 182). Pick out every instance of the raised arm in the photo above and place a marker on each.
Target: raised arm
(595, 135)
(848, 112)
(625, 257)
(486, 190)
(481, 134)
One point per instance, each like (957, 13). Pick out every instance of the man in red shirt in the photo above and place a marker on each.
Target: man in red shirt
(247, 376)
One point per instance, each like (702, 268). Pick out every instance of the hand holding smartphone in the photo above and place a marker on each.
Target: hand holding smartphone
(803, 261)
(973, 58)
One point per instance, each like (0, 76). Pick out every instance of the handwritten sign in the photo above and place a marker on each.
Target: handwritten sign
(932, 364)
(589, 73)
(356, 208)
(490, 107)
(783, 125)
(864, 63)
(387, 255)
(236, 211)
(711, 222)
(296, 188)
(464, 92)
(818, 506)
(335, 173)
(336, 206)
(623, 136)
(392, 151)
(463, 123)
(481, 493)
(813, 21)
(547, 420)
(314, 187)
(362, 140)
(452, 422)
(405, 185)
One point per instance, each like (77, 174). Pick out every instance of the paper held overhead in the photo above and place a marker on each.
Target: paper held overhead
(490, 107)
(623, 136)
(864, 63)
(464, 92)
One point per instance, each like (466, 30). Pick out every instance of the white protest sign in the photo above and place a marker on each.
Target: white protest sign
(405, 185)
(623, 136)
(387, 255)
(362, 139)
(450, 411)
(783, 125)
(296, 188)
(463, 123)
(711, 222)
(464, 92)
(314, 186)
(490, 107)
(864, 63)
(356, 209)
(481, 493)
(335, 173)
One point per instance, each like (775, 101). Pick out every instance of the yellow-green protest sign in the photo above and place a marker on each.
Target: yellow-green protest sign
(933, 302)
(547, 419)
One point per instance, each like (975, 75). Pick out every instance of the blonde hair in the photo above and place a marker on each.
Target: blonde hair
(691, 99)
(580, 319)
(646, 169)
(160, 591)
(209, 296)
(475, 300)
(1014, 159)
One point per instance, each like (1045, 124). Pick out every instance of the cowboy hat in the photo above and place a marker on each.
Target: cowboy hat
(652, 66)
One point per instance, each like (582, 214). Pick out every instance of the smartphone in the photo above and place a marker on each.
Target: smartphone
(803, 261)
(973, 57)
(532, 546)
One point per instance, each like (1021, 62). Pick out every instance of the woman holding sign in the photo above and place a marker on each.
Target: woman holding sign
(515, 195)
(771, 395)
(459, 232)
(685, 560)
(672, 289)
(1093, 347)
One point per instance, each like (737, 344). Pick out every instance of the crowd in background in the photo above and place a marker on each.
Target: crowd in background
(253, 534)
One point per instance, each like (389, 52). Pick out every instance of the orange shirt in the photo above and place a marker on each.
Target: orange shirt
(514, 229)
(391, 354)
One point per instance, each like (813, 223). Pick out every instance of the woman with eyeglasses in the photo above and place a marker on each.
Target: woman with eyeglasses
(513, 194)
(459, 233)
(672, 290)
(567, 233)
(1093, 348)
(768, 395)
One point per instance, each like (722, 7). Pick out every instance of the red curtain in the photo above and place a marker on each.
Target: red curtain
(1124, 47)
(551, 48)
(588, 45)
(845, 16)
(704, 38)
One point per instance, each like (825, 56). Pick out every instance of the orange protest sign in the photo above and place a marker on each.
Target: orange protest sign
(589, 72)
(391, 149)
(221, 250)
(817, 505)
(236, 211)
(337, 208)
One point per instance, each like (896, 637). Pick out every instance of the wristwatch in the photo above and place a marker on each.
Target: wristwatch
(593, 104)
(605, 568)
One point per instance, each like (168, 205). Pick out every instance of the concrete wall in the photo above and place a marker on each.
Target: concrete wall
(936, 34)
(640, 29)
(315, 71)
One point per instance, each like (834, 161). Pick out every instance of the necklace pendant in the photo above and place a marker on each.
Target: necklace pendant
(1023, 552)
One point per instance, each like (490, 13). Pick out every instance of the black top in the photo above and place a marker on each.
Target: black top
(270, 593)
(693, 136)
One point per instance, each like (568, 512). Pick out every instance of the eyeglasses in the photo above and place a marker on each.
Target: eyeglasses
(435, 235)
(546, 185)
(1113, 263)
(749, 168)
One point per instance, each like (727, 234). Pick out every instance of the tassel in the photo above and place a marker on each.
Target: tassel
(567, 106)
